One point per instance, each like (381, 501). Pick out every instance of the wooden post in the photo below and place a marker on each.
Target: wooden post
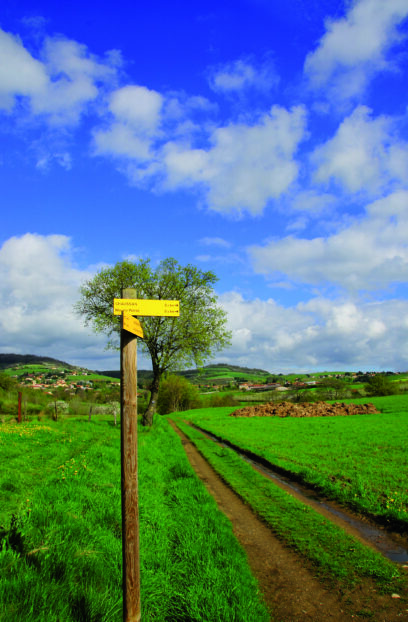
(130, 504)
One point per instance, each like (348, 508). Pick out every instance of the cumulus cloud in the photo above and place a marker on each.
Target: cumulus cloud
(246, 165)
(354, 48)
(20, 73)
(320, 334)
(364, 155)
(243, 74)
(38, 287)
(138, 106)
(59, 84)
(136, 118)
(370, 254)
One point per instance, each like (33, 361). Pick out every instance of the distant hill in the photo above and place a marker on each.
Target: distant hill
(11, 360)
(223, 373)
(219, 373)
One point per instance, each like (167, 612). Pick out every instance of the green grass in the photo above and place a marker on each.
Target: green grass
(60, 551)
(360, 460)
(334, 554)
(88, 377)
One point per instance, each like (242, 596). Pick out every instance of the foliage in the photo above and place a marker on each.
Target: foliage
(176, 394)
(7, 383)
(380, 384)
(228, 399)
(59, 406)
(171, 342)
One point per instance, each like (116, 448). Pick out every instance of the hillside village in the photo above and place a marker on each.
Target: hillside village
(57, 378)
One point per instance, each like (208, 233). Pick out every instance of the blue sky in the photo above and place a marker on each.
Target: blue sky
(265, 141)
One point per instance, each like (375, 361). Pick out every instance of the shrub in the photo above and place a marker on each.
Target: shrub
(223, 400)
(175, 394)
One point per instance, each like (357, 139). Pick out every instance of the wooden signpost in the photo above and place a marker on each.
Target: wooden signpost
(128, 306)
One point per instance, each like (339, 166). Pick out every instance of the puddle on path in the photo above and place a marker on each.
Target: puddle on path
(377, 537)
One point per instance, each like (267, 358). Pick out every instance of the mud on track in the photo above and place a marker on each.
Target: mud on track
(289, 588)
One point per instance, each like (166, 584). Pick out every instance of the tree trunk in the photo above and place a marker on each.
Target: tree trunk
(147, 418)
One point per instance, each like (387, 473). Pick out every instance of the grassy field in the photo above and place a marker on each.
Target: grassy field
(332, 554)
(359, 460)
(60, 534)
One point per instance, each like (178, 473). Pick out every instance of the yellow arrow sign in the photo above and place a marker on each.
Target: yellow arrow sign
(132, 324)
(165, 308)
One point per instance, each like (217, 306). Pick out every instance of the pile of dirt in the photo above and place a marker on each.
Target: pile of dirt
(305, 409)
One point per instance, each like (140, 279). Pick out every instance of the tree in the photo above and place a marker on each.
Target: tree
(7, 383)
(175, 394)
(171, 342)
(335, 388)
(380, 384)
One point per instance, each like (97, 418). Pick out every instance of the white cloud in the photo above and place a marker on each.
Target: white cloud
(137, 106)
(246, 166)
(60, 85)
(370, 254)
(321, 334)
(243, 74)
(38, 287)
(364, 155)
(136, 113)
(220, 242)
(20, 73)
(121, 141)
(355, 47)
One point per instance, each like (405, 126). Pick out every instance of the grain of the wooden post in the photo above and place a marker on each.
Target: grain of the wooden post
(130, 506)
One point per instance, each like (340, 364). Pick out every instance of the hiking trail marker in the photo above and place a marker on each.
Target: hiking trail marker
(163, 308)
(132, 325)
(128, 306)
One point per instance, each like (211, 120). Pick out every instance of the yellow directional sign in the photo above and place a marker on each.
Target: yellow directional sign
(132, 325)
(133, 306)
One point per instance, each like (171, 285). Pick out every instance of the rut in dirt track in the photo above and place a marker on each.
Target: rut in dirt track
(289, 588)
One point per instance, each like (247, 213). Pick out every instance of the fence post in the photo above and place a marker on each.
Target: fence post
(129, 483)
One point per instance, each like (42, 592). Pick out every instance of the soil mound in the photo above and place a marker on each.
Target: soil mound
(305, 409)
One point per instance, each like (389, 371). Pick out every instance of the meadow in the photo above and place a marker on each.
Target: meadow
(359, 460)
(60, 529)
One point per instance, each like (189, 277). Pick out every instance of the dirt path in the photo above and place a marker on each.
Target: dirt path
(289, 588)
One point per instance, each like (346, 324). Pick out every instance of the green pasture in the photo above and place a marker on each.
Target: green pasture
(88, 377)
(60, 530)
(359, 460)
